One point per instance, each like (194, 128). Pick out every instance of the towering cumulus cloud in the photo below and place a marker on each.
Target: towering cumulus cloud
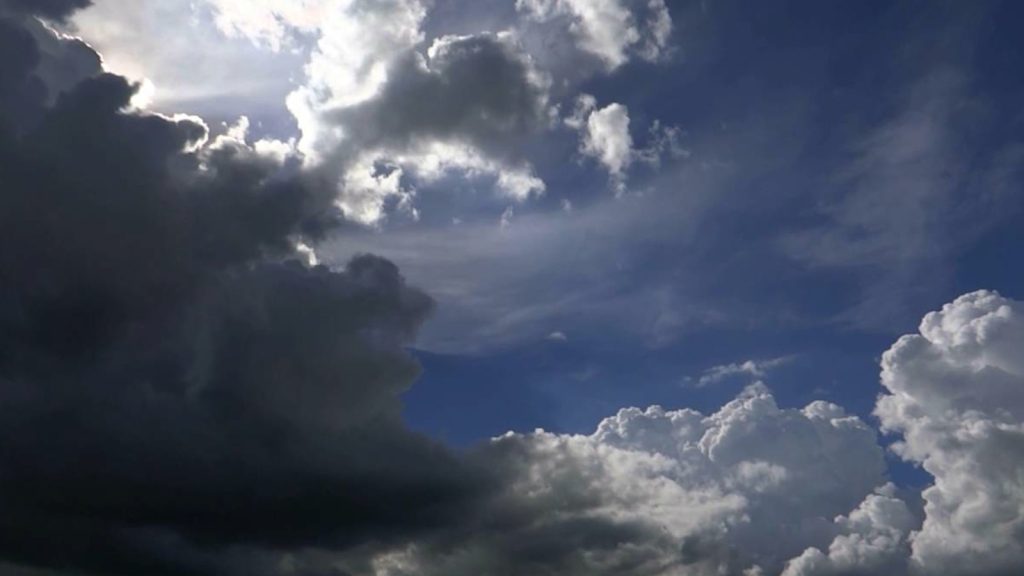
(956, 398)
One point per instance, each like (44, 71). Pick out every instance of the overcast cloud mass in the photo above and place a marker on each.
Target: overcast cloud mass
(544, 287)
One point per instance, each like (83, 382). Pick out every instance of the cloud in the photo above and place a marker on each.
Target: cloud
(467, 105)
(746, 489)
(906, 199)
(956, 400)
(182, 394)
(751, 368)
(376, 88)
(611, 30)
(270, 22)
(54, 9)
(873, 539)
(185, 391)
(605, 136)
(659, 492)
(956, 396)
(190, 64)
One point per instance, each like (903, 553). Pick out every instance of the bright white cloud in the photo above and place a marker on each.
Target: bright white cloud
(748, 486)
(191, 66)
(956, 395)
(368, 186)
(270, 22)
(356, 48)
(369, 85)
(374, 96)
(605, 136)
(611, 30)
(757, 490)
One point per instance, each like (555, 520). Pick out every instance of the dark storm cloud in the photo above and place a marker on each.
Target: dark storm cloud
(56, 9)
(173, 384)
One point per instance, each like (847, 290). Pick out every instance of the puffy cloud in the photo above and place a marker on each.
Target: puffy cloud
(181, 395)
(605, 136)
(373, 92)
(873, 539)
(660, 492)
(467, 104)
(956, 395)
(607, 139)
(357, 44)
(611, 30)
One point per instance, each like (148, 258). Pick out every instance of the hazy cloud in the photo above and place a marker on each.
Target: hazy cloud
(612, 30)
(750, 368)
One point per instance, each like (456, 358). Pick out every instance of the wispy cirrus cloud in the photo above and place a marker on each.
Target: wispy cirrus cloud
(751, 369)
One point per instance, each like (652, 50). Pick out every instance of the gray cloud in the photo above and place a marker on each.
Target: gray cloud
(55, 9)
(179, 395)
(473, 89)
(469, 105)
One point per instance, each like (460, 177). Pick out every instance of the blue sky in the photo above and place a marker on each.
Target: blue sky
(438, 257)
(849, 170)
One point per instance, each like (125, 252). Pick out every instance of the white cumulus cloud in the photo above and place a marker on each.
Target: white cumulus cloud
(956, 395)
(605, 136)
(611, 30)
(662, 492)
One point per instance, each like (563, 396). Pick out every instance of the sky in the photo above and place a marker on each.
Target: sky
(510, 287)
